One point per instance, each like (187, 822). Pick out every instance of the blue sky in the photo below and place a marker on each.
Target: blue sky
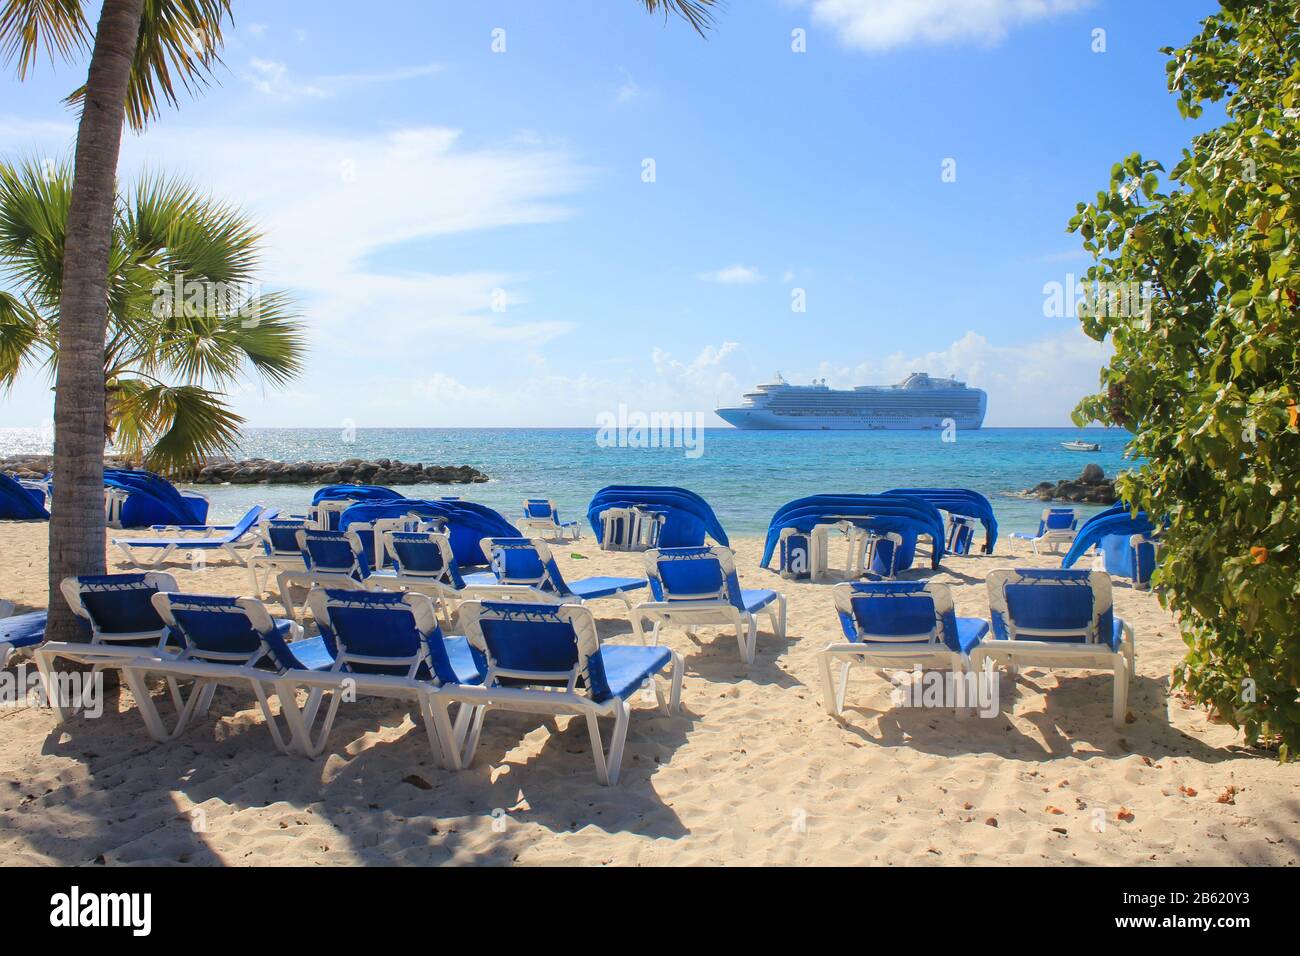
(473, 242)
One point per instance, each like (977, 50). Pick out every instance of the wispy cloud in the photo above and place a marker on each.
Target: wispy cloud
(276, 80)
(733, 275)
(876, 25)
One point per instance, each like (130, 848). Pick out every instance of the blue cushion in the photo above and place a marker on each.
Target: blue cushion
(467, 663)
(618, 670)
(479, 578)
(756, 599)
(309, 654)
(23, 630)
(970, 631)
(590, 588)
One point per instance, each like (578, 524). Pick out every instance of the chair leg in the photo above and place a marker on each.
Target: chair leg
(608, 766)
(149, 710)
(272, 722)
(437, 725)
(472, 736)
(1119, 714)
(828, 685)
(675, 697)
(44, 668)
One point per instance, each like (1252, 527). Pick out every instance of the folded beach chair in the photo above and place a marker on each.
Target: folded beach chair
(226, 641)
(240, 535)
(276, 550)
(123, 625)
(547, 659)
(698, 586)
(1056, 527)
(1058, 618)
(19, 633)
(541, 516)
(383, 645)
(897, 624)
(528, 562)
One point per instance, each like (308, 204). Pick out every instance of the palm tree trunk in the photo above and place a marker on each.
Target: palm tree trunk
(77, 517)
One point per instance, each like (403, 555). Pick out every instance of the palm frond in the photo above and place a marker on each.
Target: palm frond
(20, 338)
(179, 42)
(34, 200)
(698, 13)
(27, 26)
(172, 428)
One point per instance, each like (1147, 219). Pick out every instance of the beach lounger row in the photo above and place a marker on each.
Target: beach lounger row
(1053, 618)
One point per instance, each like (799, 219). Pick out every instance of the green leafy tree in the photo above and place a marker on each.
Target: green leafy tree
(1199, 288)
(186, 315)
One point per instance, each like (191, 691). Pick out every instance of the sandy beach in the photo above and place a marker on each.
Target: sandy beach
(752, 772)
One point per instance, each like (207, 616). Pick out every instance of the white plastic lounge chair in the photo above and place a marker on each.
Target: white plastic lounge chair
(239, 536)
(335, 559)
(1057, 527)
(382, 644)
(124, 625)
(897, 624)
(276, 550)
(425, 563)
(1058, 618)
(528, 562)
(547, 659)
(543, 518)
(227, 641)
(698, 586)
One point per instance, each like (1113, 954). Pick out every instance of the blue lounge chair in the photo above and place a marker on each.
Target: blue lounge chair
(541, 516)
(123, 623)
(1056, 527)
(1058, 618)
(699, 586)
(897, 624)
(425, 563)
(19, 633)
(383, 645)
(226, 641)
(528, 562)
(547, 659)
(239, 536)
(276, 550)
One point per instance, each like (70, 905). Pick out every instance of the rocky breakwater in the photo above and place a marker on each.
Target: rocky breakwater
(1091, 486)
(384, 471)
(255, 471)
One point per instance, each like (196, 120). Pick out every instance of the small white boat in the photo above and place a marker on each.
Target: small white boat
(1077, 445)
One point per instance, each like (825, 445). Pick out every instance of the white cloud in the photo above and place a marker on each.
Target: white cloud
(275, 79)
(257, 29)
(876, 25)
(1034, 384)
(733, 275)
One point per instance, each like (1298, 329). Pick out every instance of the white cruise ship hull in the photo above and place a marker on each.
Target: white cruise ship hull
(760, 419)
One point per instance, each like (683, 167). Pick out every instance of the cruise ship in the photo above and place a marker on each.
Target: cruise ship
(917, 402)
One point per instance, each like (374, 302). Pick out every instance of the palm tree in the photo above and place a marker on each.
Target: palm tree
(140, 50)
(185, 312)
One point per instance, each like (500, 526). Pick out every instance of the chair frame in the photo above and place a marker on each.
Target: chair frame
(560, 530)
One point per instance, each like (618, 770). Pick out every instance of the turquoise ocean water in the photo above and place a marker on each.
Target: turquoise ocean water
(745, 475)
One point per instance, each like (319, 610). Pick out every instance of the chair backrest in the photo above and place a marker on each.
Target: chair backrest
(896, 612)
(334, 552)
(244, 524)
(527, 562)
(1058, 519)
(118, 606)
(382, 632)
(279, 537)
(219, 629)
(424, 554)
(705, 573)
(537, 643)
(1069, 605)
(541, 509)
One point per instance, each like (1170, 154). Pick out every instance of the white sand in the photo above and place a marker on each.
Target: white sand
(753, 771)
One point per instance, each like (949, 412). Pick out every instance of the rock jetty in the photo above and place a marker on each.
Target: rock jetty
(1091, 486)
(255, 471)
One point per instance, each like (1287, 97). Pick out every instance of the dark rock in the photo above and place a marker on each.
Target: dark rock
(1092, 474)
